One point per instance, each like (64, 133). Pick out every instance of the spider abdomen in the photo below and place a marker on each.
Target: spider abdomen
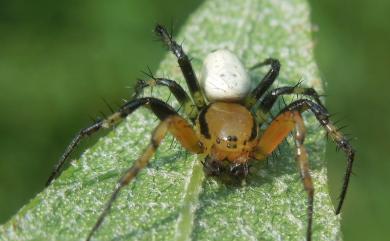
(228, 130)
(224, 77)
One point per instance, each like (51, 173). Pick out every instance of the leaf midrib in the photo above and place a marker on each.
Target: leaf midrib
(184, 224)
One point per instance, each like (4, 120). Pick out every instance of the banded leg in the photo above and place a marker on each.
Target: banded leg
(262, 113)
(303, 165)
(159, 108)
(265, 83)
(277, 131)
(180, 129)
(185, 66)
(322, 116)
(181, 96)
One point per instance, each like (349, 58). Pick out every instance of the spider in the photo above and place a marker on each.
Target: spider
(225, 120)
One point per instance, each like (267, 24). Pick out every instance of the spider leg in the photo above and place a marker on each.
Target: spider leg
(180, 129)
(277, 131)
(303, 165)
(262, 113)
(283, 124)
(274, 134)
(265, 83)
(185, 66)
(73, 144)
(181, 96)
(158, 107)
(341, 141)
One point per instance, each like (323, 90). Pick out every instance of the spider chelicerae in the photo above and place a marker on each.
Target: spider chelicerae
(225, 120)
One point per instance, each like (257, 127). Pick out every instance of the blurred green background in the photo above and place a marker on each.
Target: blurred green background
(58, 59)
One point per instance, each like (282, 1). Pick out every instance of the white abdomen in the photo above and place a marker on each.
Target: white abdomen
(224, 77)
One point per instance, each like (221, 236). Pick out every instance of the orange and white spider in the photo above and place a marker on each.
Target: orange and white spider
(225, 117)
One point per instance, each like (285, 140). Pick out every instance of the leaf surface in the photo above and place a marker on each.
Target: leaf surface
(171, 199)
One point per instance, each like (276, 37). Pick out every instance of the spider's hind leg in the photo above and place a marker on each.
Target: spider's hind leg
(185, 66)
(265, 83)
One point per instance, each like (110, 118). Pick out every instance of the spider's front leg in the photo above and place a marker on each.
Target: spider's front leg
(275, 133)
(283, 124)
(158, 107)
(341, 141)
(180, 129)
(304, 169)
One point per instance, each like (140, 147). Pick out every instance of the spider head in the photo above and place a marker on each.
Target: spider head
(224, 77)
(226, 171)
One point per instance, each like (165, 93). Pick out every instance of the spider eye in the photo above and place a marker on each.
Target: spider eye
(224, 77)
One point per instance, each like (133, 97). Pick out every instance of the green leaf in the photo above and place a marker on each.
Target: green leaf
(171, 199)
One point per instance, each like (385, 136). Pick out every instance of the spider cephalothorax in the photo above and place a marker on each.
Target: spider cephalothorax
(229, 133)
(225, 119)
